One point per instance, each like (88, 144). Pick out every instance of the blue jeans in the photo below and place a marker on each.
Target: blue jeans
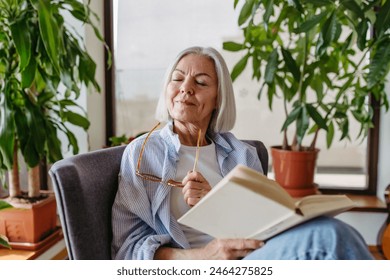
(323, 238)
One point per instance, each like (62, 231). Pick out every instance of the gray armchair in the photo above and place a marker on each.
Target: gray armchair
(85, 186)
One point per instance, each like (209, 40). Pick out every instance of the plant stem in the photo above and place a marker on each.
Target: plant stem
(313, 143)
(14, 183)
(34, 185)
(285, 138)
(304, 64)
(296, 146)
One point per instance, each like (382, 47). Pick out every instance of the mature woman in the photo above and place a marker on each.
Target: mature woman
(161, 177)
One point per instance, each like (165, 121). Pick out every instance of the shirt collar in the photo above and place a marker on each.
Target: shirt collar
(170, 137)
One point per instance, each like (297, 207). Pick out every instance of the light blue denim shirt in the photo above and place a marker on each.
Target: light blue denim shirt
(141, 218)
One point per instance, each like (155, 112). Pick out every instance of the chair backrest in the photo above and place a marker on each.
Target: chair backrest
(85, 186)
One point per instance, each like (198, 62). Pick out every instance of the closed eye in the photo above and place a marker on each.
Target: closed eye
(201, 83)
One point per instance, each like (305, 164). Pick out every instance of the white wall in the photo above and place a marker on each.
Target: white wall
(95, 101)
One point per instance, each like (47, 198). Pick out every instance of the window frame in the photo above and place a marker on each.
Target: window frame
(372, 138)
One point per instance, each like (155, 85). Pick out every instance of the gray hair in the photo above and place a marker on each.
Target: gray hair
(224, 116)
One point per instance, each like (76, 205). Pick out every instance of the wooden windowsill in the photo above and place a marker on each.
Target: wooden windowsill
(368, 203)
(55, 250)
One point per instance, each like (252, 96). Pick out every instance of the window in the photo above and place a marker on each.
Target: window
(146, 37)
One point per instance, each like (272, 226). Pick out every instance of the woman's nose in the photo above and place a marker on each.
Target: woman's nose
(186, 90)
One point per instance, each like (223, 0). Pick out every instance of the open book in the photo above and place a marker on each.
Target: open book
(246, 204)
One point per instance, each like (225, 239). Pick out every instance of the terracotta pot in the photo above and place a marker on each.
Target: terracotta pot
(29, 223)
(295, 170)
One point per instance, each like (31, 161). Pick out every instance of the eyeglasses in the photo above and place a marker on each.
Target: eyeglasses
(154, 178)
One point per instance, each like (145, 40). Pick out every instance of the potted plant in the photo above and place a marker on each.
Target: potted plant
(43, 66)
(313, 54)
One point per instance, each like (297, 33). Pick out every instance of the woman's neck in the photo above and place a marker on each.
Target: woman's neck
(188, 134)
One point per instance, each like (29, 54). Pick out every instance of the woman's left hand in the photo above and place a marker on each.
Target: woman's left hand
(195, 187)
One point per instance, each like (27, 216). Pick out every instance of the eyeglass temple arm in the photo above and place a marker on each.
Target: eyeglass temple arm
(143, 147)
(197, 151)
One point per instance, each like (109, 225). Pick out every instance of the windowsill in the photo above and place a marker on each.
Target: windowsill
(55, 250)
(365, 203)
(368, 203)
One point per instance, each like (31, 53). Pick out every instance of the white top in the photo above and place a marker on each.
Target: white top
(208, 167)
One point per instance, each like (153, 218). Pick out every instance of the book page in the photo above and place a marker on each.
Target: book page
(314, 205)
(261, 185)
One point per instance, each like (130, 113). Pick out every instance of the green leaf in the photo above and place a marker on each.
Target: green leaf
(318, 119)
(320, 3)
(22, 128)
(4, 242)
(298, 6)
(87, 70)
(31, 144)
(4, 205)
(235, 3)
(380, 64)
(271, 67)
(67, 102)
(291, 117)
(66, 78)
(7, 128)
(76, 119)
(270, 94)
(347, 43)
(269, 9)
(50, 33)
(313, 129)
(382, 23)
(311, 22)
(78, 10)
(344, 129)
(239, 67)
(318, 87)
(260, 91)
(291, 64)
(53, 143)
(362, 29)
(22, 40)
(256, 67)
(72, 141)
(330, 134)
(327, 34)
(302, 124)
(232, 46)
(118, 140)
(353, 7)
(246, 11)
(28, 75)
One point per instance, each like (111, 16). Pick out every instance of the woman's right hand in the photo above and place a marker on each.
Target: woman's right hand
(228, 249)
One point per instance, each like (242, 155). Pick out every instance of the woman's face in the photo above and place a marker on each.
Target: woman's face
(192, 92)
